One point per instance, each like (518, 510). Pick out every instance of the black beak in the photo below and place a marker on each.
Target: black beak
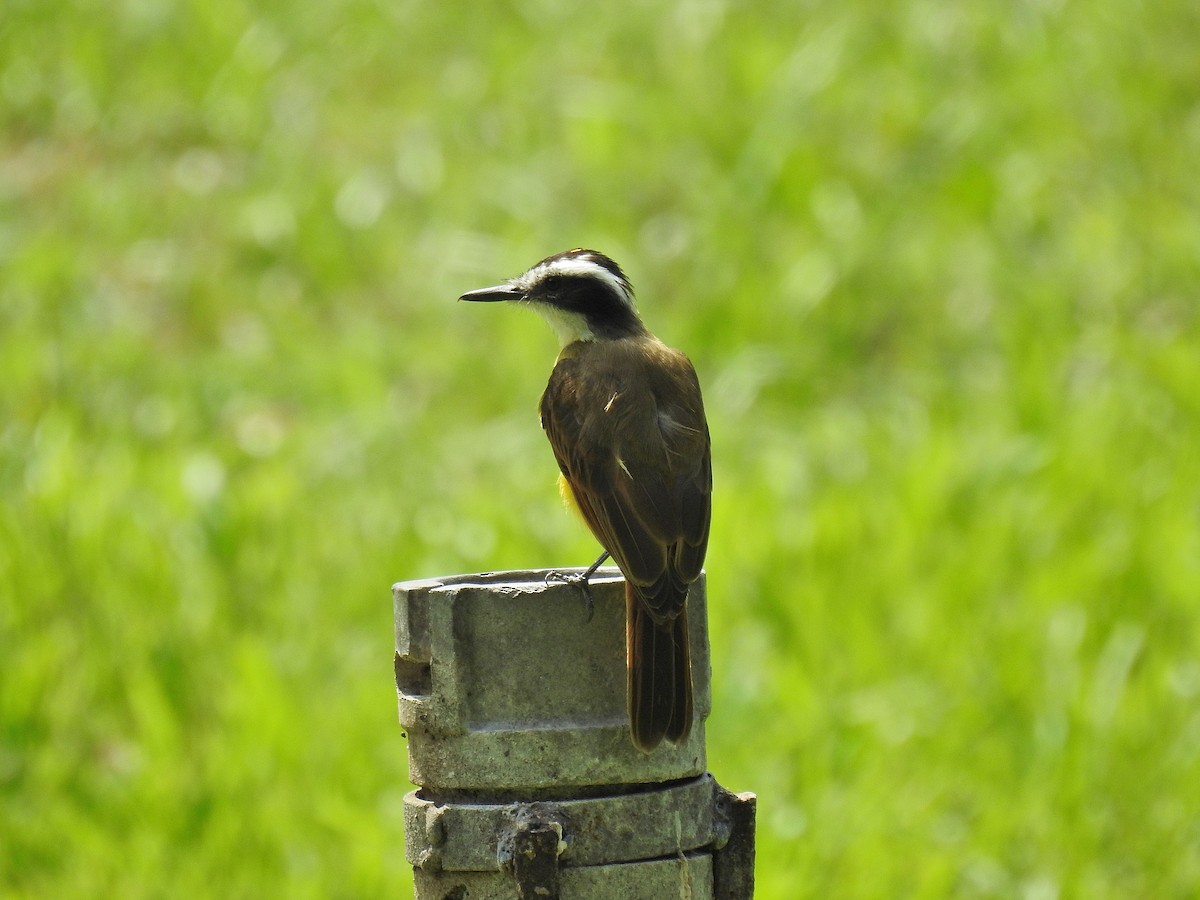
(493, 294)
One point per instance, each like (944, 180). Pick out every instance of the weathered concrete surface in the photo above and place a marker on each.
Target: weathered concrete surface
(504, 683)
(511, 688)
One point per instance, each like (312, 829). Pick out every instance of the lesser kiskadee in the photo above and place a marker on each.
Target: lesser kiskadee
(626, 422)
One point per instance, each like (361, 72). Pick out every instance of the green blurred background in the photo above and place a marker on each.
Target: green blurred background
(938, 266)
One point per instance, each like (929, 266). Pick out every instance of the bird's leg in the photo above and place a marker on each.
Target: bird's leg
(594, 566)
(580, 579)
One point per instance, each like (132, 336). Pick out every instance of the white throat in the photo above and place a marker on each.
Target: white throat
(569, 326)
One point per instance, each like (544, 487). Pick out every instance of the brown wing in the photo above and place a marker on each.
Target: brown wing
(628, 430)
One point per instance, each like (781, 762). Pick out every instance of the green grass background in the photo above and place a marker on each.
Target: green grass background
(938, 265)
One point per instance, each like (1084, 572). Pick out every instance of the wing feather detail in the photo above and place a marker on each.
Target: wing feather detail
(627, 427)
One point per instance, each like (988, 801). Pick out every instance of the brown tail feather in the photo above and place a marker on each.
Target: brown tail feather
(660, 676)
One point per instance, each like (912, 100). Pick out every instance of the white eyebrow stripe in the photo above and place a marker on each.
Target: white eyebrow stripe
(576, 265)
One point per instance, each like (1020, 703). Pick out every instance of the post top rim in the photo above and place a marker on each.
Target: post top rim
(524, 580)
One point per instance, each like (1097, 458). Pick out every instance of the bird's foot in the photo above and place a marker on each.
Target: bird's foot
(579, 580)
(582, 580)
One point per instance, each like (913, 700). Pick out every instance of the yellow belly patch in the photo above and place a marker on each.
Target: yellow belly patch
(568, 496)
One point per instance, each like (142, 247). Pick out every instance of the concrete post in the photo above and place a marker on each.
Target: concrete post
(512, 694)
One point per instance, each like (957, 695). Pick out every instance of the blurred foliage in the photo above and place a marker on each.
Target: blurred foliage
(937, 266)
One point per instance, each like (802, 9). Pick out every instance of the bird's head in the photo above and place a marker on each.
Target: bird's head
(583, 294)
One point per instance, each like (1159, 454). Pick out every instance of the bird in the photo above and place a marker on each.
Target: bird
(624, 416)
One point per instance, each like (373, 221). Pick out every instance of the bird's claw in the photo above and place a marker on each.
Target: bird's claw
(579, 580)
